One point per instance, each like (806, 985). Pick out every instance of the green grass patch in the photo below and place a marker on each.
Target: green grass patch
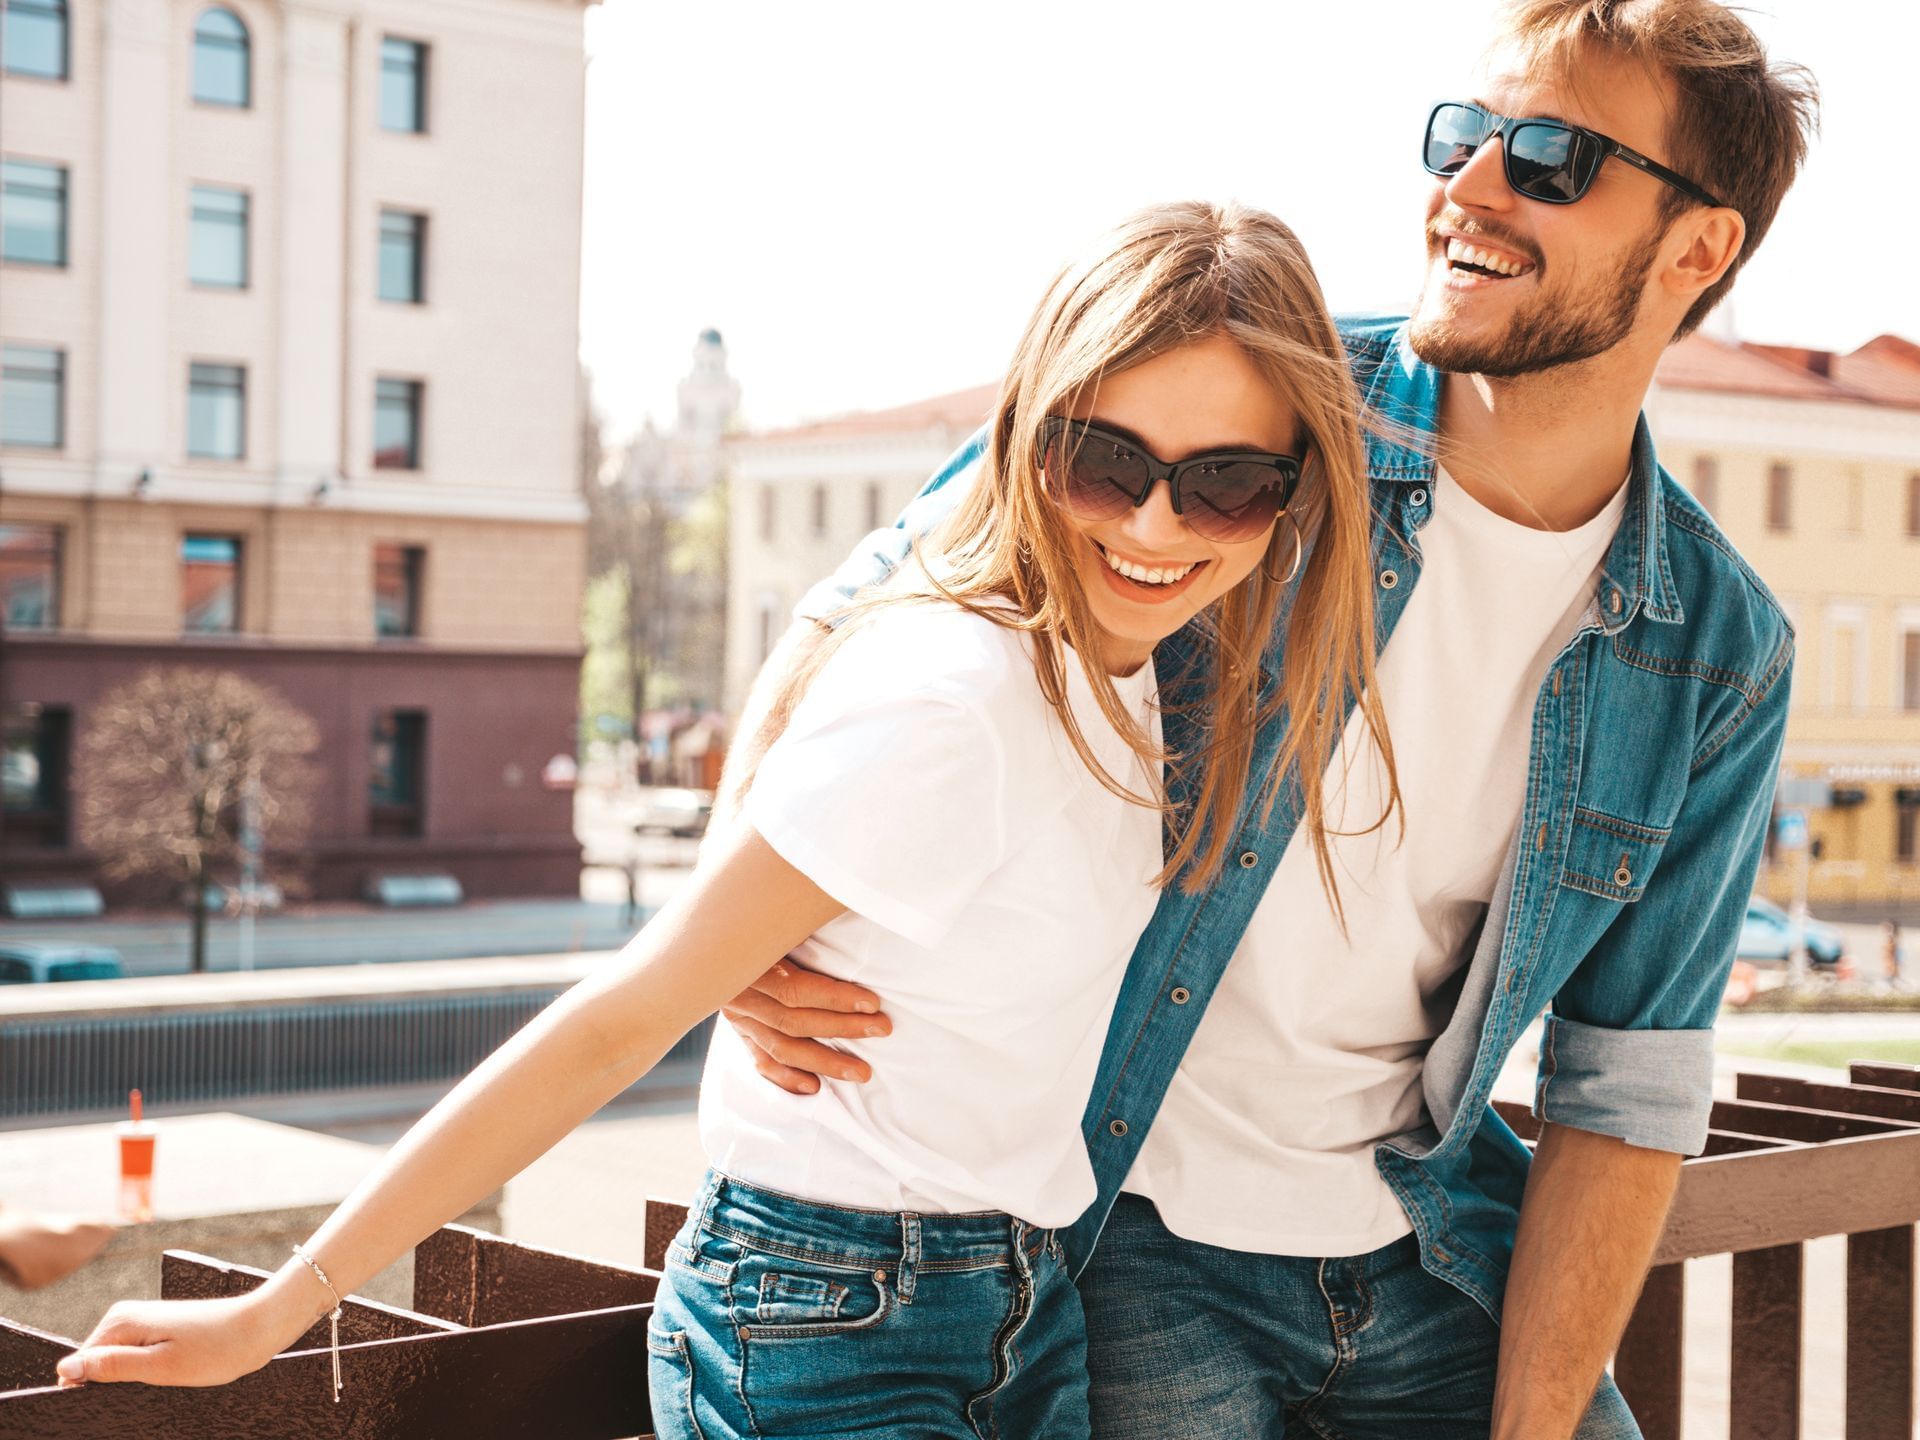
(1834, 1054)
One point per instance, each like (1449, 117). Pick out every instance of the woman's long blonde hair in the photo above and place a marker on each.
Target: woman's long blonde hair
(1165, 277)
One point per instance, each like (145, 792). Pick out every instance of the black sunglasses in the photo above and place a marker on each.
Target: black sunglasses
(1546, 160)
(1095, 474)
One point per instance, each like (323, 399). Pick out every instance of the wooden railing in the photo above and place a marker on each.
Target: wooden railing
(1788, 1161)
(506, 1340)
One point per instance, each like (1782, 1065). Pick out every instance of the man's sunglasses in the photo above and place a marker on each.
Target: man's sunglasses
(1546, 160)
(1225, 495)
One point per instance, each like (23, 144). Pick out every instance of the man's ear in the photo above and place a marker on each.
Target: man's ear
(1713, 238)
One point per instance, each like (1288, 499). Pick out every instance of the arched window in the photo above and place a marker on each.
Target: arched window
(33, 38)
(222, 62)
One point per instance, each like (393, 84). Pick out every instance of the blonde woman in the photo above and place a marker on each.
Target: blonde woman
(970, 808)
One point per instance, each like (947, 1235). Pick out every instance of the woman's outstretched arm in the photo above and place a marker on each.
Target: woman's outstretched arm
(742, 908)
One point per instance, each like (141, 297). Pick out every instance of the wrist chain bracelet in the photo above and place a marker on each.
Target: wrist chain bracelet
(334, 1317)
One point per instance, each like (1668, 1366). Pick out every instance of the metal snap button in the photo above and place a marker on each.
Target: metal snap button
(1180, 995)
(1248, 859)
(1613, 601)
(880, 1276)
(1389, 579)
(1623, 877)
(1118, 1127)
(1418, 497)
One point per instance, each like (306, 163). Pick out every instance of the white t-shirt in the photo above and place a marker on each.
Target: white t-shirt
(1310, 1052)
(994, 892)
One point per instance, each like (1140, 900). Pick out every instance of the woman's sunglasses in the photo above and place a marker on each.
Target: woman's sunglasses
(1546, 160)
(1225, 495)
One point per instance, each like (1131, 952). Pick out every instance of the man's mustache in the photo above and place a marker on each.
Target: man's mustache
(1466, 229)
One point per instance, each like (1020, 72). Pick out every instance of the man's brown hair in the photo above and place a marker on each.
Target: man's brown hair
(1741, 125)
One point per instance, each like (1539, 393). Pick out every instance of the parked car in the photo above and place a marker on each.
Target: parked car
(676, 812)
(1768, 935)
(24, 962)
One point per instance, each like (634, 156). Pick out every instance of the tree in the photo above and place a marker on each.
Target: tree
(163, 769)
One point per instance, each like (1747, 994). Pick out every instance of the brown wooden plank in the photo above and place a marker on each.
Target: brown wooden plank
(1796, 1122)
(185, 1275)
(1886, 1075)
(1887, 1104)
(1730, 1142)
(573, 1377)
(1731, 1203)
(507, 1281)
(1527, 1126)
(27, 1356)
(1649, 1365)
(1880, 1280)
(1764, 1391)
(661, 1220)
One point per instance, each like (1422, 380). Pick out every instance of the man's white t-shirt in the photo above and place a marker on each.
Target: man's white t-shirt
(994, 892)
(1311, 1049)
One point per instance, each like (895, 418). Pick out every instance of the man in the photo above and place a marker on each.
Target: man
(1326, 1231)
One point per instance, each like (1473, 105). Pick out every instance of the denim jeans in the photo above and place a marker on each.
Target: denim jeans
(1192, 1342)
(789, 1318)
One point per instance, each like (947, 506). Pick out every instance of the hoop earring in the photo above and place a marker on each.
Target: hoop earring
(1299, 553)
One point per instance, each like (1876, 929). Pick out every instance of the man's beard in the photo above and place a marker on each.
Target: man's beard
(1554, 330)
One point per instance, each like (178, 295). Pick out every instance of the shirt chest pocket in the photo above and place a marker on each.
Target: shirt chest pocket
(1611, 857)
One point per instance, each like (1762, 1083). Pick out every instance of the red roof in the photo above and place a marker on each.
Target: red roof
(961, 410)
(1884, 371)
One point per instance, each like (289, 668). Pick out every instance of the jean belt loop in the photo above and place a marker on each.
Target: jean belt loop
(1021, 1264)
(703, 1206)
(909, 1257)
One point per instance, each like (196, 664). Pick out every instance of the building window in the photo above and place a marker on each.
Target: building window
(217, 242)
(1913, 504)
(1706, 483)
(396, 424)
(33, 213)
(396, 589)
(1910, 669)
(398, 765)
(403, 85)
(1846, 659)
(216, 411)
(1779, 497)
(210, 584)
(873, 505)
(33, 38)
(819, 510)
(222, 64)
(1906, 822)
(403, 255)
(30, 577)
(33, 773)
(32, 396)
(769, 502)
(767, 614)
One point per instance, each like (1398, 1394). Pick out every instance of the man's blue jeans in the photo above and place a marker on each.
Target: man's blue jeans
(1192, 1342)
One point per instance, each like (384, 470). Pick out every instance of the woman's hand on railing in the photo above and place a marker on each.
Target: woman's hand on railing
(186, 1342)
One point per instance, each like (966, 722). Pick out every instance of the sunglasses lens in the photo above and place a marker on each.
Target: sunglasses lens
(1547, 162)
(1454, 132)
(1235, 500)
(1093, 478)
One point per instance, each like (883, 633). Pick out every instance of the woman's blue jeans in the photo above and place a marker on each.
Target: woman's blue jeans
(787, 1319)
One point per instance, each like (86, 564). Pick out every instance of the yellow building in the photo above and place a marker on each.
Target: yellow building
(1810, 461)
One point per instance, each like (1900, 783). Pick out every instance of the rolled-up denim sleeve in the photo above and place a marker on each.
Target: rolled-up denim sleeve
(879, 554)
(1628, 1047)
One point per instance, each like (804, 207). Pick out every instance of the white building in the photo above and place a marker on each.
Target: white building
(800, 499)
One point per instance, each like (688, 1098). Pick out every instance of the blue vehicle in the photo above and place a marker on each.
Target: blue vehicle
(25, 962)
(1768, 935)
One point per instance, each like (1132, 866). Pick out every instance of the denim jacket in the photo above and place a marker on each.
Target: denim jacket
(1655, 743)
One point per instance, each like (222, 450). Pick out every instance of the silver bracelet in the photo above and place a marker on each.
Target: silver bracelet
(334, 1317)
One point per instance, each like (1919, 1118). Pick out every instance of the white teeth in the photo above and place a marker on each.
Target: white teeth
(1161, 575)
(1463, 254)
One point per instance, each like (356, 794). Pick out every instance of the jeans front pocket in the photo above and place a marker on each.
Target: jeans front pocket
(782, 1297)
(670, 1384)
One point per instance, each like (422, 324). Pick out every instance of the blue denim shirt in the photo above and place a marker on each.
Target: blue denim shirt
(1655, 743)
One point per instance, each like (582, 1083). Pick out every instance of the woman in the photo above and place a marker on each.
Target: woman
(965, 809)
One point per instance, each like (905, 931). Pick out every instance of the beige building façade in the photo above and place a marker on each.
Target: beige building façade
(289, 301)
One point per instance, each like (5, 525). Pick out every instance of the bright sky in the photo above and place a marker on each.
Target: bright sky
(868, 196)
